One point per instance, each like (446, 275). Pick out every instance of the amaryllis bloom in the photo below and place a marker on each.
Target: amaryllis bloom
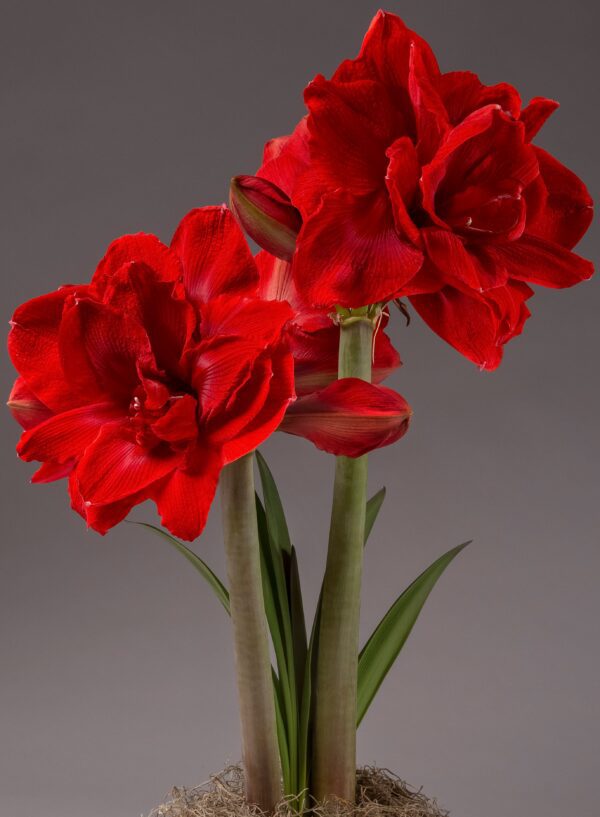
(145, 382)
(171, 363)
(421, 184)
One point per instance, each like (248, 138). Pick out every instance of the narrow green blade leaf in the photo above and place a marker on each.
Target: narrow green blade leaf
(388, 638)
(278, 529)
(277, 607)
(299, 644)
(202, 568)
(373, 507)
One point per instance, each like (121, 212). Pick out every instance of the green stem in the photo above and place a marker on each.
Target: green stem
(334, 761)
(253, 664)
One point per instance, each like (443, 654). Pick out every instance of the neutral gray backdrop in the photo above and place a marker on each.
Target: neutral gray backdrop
(116, 668)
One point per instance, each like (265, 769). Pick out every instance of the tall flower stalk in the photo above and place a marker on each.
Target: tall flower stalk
(334, 760)
(250, 635)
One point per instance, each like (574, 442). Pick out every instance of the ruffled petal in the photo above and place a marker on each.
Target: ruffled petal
(402, 181)
(536, 261)
(351, 125)
(535, 114)
(463, 92)
(350, 253)
(476, 325)
(215, 256)
(34, 349)
(275, 399)
(114, 467)
(184, 497)
(566, 209)
(140, 248)
(103, 350)
(385, 54)
(285, 158)
(250, 318)
(67, 435)
(349, 418)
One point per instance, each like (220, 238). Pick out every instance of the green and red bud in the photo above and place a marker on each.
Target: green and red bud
(266, 213)
(350, 417)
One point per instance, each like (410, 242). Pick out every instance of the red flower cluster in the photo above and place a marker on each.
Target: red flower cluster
(171, 363)
(415, 183)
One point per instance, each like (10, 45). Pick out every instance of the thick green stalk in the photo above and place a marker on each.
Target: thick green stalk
(334, 761)
(252, 660)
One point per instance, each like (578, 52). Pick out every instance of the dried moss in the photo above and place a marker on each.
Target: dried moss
(379, 793)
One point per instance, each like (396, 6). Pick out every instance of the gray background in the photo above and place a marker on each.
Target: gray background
(116, 668)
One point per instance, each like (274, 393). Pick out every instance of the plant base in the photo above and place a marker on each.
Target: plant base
(379, 793)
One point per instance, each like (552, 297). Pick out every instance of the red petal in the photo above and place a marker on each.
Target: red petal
(34, 350)
(463, 93)
(159, 306)
(179, 422)
(350, 253)
(102, 349)
(484, 159)
(184, 498)
(402, 181)
(535, 114)
(349, 418)
(351, 125)
(536, 261)
(51, 471)
(115, 467)
(276, 280)
(25, 407)
(257, 428)
(447, 251)
(566, 209)
(103, 517)
(316, 354)
(221, 366)
(215, 256)
(141, 248)
(250, 318)
(477, 326)
(385, 53)
(431, 116)
(67, 435)
(285, 158)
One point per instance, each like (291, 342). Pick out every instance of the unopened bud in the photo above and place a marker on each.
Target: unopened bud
(266, 213)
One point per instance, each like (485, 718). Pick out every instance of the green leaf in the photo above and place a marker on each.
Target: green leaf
(202, 568)
(278, 529)
(373, 507)
(277, 606)
(298, 622)
(388, 638)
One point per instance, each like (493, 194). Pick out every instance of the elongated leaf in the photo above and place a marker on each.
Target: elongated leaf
(299, 644)
(275, 587)
(373, 507)
(201, 566)
(388, 638)
(278, 529)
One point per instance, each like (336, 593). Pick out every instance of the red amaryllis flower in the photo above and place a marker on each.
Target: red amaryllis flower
(411, 182)
(144, 383)
(171, 363)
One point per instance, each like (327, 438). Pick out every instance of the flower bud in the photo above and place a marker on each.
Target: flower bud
(266, 213)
